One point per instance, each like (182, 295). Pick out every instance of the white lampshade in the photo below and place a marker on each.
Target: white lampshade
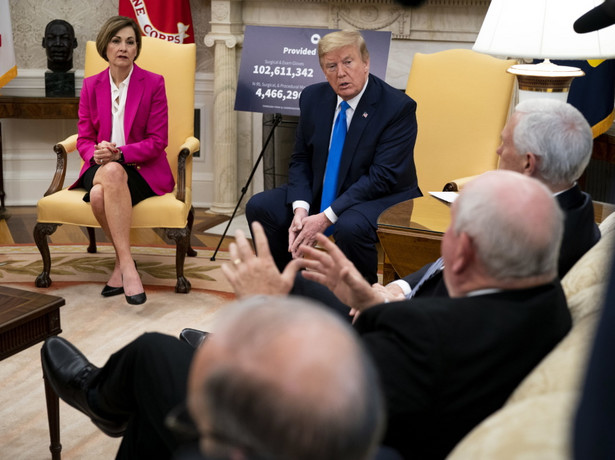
(542, 29)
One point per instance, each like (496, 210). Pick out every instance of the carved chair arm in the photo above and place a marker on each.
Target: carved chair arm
(457, 184)
(190, 145)
(61, 149)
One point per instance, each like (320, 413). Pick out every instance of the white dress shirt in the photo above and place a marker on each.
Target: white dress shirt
(118, 104)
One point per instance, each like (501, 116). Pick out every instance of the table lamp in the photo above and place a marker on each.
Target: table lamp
(542, 29)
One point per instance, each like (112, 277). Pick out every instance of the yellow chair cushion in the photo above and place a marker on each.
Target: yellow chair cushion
(68, 207)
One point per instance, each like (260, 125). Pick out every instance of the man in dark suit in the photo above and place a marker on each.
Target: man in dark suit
(448, 363)
(548, 140)
(376, 167)
(594, 421)
(256, 388)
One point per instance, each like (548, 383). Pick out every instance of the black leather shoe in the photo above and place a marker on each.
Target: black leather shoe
(71, 375)
(192, 337)
(110, 291)
(136, 299)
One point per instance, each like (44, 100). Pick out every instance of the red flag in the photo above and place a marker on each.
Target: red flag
(168, 20)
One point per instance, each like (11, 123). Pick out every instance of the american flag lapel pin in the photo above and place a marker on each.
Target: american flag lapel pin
(364, 114)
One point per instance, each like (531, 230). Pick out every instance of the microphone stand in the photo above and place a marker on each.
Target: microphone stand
(277, 118)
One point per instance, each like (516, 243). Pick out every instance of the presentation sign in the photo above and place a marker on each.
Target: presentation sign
(278, 62)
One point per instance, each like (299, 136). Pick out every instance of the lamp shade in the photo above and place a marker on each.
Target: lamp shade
(542, 29)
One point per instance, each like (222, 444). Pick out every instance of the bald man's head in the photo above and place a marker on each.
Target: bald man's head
(283, 376)
(513, 226)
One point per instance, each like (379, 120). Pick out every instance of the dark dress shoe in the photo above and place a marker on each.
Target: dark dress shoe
(110, 291)
(71, 375)
(136, 299)
(192, 337)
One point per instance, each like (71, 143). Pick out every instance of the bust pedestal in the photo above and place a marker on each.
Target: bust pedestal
(60, 84)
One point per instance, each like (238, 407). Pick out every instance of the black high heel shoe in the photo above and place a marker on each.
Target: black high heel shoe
(110, 291)
(136, 299)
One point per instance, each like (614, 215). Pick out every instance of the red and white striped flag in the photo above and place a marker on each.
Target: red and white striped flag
(168, 20)
(8, 67)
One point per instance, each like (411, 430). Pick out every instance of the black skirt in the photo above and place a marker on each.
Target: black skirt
(139, 188)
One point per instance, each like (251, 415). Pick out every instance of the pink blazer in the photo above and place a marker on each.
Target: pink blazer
(145, 125)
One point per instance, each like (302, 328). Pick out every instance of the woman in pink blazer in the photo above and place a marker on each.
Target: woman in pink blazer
(123, 131)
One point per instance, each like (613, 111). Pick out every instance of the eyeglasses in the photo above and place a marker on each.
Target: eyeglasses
(180, 423)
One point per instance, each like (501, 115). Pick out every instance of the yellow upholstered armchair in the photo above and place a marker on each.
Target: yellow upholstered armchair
(172, 211)
(463, 101)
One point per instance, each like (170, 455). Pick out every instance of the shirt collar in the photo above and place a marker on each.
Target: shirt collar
(478, 292)
(355, 100)
(562, 191)
(124, 83)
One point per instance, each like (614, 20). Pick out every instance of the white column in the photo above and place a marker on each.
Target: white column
(225, 36)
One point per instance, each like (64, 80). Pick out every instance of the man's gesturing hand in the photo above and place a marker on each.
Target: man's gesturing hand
(251, 274)
(331, 268)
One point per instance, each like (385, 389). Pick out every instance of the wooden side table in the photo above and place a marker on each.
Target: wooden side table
(33, 108)
(410, 233)
(28, 318)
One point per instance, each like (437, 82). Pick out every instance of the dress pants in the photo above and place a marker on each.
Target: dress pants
(354, 233)
(143, 381)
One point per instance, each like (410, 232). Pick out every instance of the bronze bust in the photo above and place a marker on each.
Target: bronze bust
(59, 42)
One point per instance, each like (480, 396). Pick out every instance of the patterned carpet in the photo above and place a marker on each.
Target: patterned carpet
(23, 263)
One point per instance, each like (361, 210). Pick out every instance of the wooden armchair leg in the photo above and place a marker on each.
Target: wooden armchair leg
(41, 232)
(92, 236)
(190, 252)
(182, 240)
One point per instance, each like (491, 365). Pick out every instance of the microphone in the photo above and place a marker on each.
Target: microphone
(597, 18)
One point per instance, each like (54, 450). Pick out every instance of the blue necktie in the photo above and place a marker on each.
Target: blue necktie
(329, 187)
(433, 270)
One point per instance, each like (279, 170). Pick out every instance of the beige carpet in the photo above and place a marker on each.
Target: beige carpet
(97, 326)
(73, 263)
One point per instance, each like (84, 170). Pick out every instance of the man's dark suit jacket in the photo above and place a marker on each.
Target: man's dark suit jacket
(580, 229)
(446, 364)
(580, 234)
(377, 165)
(594, 422)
